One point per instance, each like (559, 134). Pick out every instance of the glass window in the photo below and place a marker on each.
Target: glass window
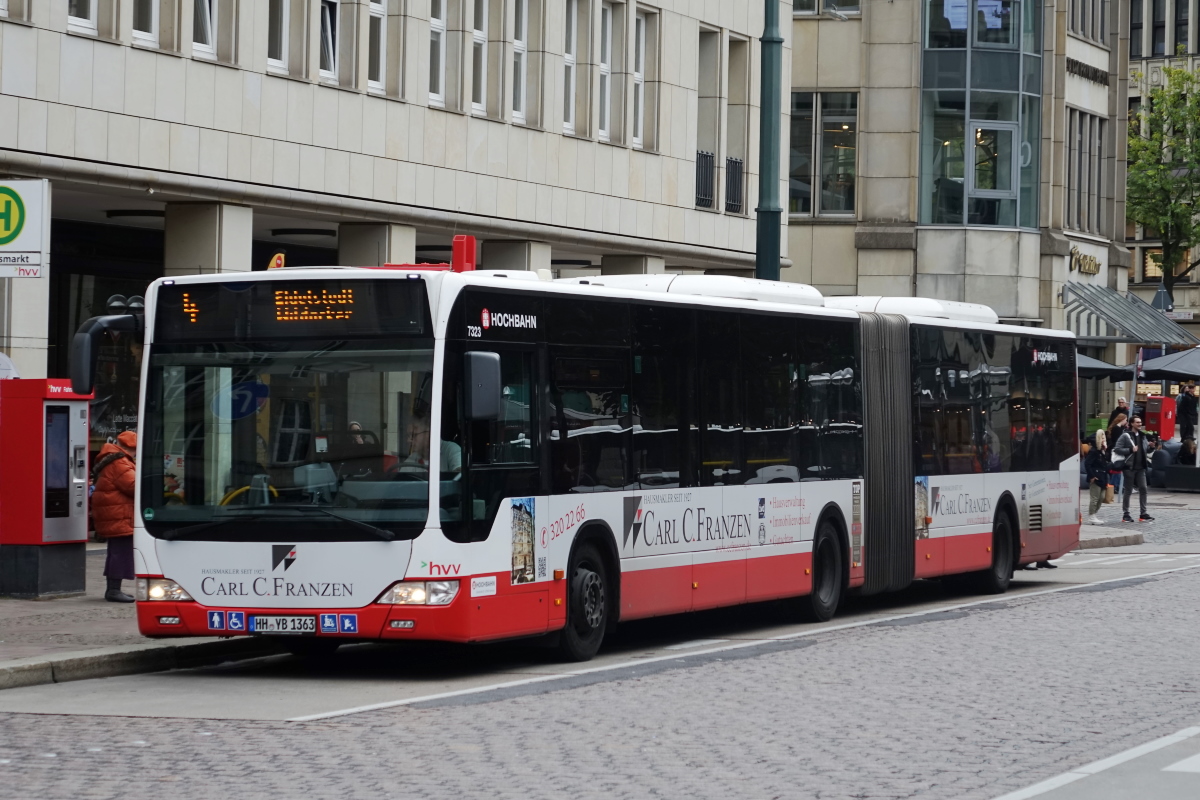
(570, 44)
(1181, 26)
(801, 172)
(329, 38)
(591, 420)
(81, 15)
(845, 6)
(606, 21)
(1135, 28)
(277, 33)
(479, 56)
(145, 22)
(839, 151)
(947, 23)
(1031, 29)
(376, 44)
(721, 459)
(993, 164)
(520, 54)
(509, 439)
(204, 27)
(437, 53)
(1031, 138)
(994, 105)
(996, 23)
(772, 387)
(943, 157)
(663, 424)
(804, 7)
(639, 80)
(1158, 29)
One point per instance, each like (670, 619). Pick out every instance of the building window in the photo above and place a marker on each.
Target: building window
(640, 26)
(1086, 165)
(145, 22)
(824, 150)
(1135, 28)
(204, 28)
(376, 45)
(606, 34)
(437, 53)
(277, 34)
(1086, 18)
(570, 51)
(520, 76)
(329, 39)
(81, 16)
(479, 57)
(1152, 265)
(981, 114)
(1158, 29)
(1181, 26)
(841, 6)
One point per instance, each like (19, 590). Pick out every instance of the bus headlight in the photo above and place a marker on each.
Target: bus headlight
(420, 593)
(160, 589)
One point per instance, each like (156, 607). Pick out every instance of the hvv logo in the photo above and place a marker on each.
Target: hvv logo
(441, 569)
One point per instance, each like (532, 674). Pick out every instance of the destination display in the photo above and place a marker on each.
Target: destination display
(258, 310)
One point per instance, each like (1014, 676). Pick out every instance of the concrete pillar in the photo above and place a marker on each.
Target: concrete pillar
(205, 238)
(375, 244)
(632, 265)
(514, 255)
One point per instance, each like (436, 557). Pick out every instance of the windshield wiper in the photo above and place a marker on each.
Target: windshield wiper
(175, 534)
(381, 533)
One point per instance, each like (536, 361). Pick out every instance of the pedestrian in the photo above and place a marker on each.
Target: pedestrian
(1116, 475)
(1132, 453)
(1122, 408)
(1187, 453)
(1096, 465)
(112, 510)
(1186, 412)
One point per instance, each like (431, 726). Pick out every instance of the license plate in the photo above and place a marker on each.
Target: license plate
(296, 625)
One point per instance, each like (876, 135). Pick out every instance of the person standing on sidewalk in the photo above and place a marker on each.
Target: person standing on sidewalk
(1186, 412)
(1131, 449)
(1096, 465)
(1116, 474)
(112, 510)
(1122, 408)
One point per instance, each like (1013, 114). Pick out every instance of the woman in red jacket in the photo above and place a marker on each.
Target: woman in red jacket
(112, 510)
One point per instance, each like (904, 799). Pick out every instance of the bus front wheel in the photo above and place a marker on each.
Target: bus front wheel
(587, 605)
(822, 602)
(995, 579)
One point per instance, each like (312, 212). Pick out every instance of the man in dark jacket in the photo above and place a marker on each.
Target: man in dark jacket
(1122, 408)
(1131, 452)
(1185, 412)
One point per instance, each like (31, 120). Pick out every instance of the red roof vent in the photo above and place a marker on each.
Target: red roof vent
(462, 258)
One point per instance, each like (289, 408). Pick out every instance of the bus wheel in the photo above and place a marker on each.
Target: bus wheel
(821, 604)
(995, 579)
(587, 606)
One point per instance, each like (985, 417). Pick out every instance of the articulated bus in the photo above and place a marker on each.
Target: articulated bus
(441, 453)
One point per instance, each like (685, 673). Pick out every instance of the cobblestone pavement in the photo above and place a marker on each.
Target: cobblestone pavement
(965, 705)
(1176, 517)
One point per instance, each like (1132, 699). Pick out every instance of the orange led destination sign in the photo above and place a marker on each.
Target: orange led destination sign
(306, 305)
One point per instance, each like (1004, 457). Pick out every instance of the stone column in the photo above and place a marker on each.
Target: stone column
(514, 255)
(632, 265)
(206, 238)
(375, 244)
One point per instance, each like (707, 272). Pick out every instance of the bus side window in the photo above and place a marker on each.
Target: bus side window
(771, 415)
(509, 439)
(590, 412)
(663, 341)
(720, 388)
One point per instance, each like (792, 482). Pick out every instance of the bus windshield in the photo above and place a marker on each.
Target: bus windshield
(301, 439)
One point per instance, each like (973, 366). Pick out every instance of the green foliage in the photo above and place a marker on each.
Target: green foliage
(1163, 181)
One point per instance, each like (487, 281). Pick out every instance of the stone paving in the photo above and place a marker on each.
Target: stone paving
(1176, 517)
(963, 706)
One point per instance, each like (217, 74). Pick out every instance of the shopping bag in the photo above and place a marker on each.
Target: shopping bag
(1110, 495)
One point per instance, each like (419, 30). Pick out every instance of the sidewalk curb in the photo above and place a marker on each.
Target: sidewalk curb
(1111, 541)
(111, 662)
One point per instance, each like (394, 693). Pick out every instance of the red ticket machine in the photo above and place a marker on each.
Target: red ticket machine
(43, 488)
(1160, 416)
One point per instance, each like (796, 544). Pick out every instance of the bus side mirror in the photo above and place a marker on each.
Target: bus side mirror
(483, 397)
(86, 346)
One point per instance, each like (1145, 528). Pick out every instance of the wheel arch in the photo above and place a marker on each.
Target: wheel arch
(832, 512)
(598, 532)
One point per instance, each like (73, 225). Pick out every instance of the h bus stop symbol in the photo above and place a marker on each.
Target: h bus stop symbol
(12, 215)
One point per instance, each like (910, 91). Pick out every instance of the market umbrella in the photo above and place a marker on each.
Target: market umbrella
(1089, 367)
(1184, 365)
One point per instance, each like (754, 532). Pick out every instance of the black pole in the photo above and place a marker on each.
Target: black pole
(770, 213)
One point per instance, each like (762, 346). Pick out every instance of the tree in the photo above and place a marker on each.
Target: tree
(1163, 180)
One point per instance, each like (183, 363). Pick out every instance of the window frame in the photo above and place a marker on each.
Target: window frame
(818, 7)
(1014, 130)
(148, 38)
(604, 61)
(377, 10)
(328, 34)
(570, 73)
(207, 49)
(89, 24)
(519, 102)
(479, 57)
(641, 26)
(437, 32)
(279, 64)
(816, 156)
(1137, 23)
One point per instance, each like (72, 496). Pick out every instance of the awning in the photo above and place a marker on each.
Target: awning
(1089, 367)
(1184, 365)
(1100, 313)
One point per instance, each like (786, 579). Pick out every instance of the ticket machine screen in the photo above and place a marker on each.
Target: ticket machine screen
(58, 461)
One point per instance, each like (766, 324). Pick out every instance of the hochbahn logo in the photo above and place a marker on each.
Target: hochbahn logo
(12, 215)
(490, 320)
(284, 554)
(1041, 357)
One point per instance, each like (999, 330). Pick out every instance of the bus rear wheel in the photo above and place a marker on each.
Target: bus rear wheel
(995, 579)
(822, 602)
(587, 605)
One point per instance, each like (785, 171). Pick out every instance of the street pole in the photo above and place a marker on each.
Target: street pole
(770, 213)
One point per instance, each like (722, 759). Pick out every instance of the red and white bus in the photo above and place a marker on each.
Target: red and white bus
(441, 453)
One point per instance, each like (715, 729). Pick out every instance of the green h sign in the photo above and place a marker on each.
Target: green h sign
(12, 215)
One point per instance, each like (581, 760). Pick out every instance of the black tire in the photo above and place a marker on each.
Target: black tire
(312, 648)
(995, 579)
(588, 600)
(827, 579)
